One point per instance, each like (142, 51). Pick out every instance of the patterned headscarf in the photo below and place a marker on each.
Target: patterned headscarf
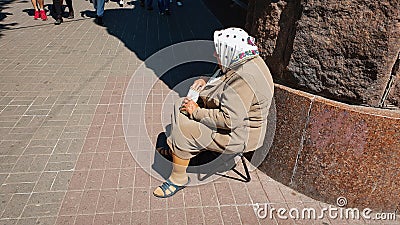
(234, 46)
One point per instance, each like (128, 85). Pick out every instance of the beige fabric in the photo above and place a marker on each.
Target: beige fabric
(234, 115)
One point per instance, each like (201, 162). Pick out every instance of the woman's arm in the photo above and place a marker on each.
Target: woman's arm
(200, 83)
(235, 104)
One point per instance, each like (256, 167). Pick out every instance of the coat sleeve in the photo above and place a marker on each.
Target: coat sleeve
(235, 103)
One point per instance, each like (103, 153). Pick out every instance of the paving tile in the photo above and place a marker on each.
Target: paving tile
(142, 179)
(23, 178)
(84, 220)
(273, 192)
(62, 146)
(41, 210)
(23, 164)
(57, 166)
(8, 221)
(114, 160)
(46, 220)
(99, 160)
(103, 219)
(194, 216)
(46, 198)
(241, 193)
(65, 220)
(15, 206)
(257, 193)
(141, 199)
(247, 215)
(62, 181)
(212, 215)
(78, 180)
(175, 202)
(140, 218)
(123, 199)
(39, 163)
(106, 201)
(177, 216)
(88, 202)
(17, 188)
(158, 216)
(94, 179)
(224, 193)
(230, 215)
(126, 178)
(84, 161)
(4, 199)
(90, 145)
(110, 179)
(27, 221)
(122, 218)
(45, 181)
(13, 147)
(192, 197)
(71, 202)
(127, 159)
(104, 144)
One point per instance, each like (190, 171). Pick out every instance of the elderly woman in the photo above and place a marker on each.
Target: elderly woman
(235, 105)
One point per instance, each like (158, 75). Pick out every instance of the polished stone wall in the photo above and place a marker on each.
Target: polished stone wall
(327, 149)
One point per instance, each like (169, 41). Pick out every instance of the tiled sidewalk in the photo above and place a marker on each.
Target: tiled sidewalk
(63, 155)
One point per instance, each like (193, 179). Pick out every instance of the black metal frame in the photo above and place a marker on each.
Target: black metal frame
(243, 177)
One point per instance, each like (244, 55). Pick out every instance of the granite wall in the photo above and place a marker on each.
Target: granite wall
(343, 50)
(327, 149)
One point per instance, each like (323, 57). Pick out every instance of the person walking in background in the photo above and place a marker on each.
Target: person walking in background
(163, 7)
(147, 3)
(58, 10)
(99, 8)
(178, 2)
(39, 11)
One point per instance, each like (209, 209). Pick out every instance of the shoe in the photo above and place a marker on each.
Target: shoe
(58, 21)
(121, 3)
(99, 20)
(179, 3)
(71, 15)
(167, 185)
(36, 15)
(168, 12)
(149, 8)
(43, 15)
(162, 13)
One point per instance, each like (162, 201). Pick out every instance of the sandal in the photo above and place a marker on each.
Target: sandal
(166, 186)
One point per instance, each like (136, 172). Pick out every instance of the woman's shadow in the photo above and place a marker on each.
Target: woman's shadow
(146, 32)
(205, 164)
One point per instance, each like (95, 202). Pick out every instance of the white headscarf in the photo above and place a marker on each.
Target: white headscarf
(234, 46)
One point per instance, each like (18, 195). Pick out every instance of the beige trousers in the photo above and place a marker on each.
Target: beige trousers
(188, 137)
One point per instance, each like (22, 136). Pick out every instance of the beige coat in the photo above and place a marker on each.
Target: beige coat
(233, 116)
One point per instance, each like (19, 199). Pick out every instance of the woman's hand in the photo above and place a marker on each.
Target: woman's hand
(199, 84)
(189, 106)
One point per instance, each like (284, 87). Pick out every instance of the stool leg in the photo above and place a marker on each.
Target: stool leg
(246, 170)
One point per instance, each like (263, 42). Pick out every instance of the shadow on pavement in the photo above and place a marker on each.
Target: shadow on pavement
(3, 6)
(146, 32)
